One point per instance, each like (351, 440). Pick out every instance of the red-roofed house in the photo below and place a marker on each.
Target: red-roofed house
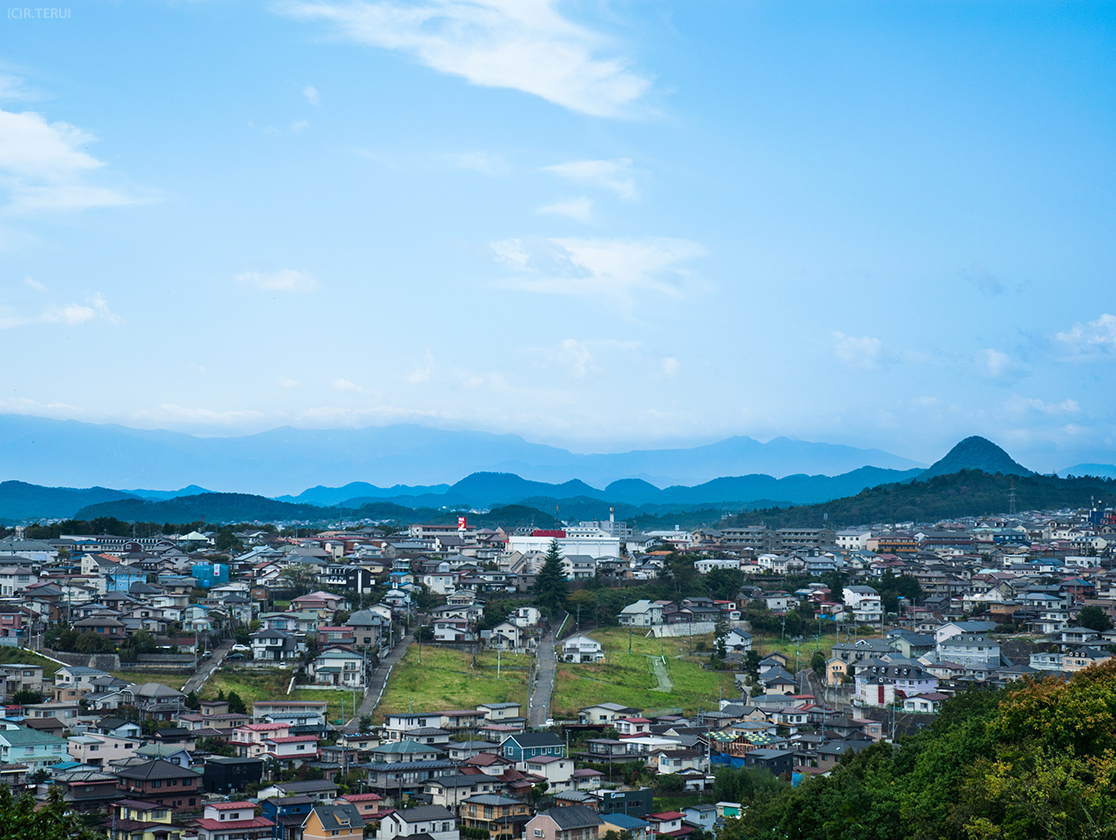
(250, 740)
(233, 821)
(668, 822)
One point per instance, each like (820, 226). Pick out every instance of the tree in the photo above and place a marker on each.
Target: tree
(365, 723)
(817, 663)
(25, 697)
(550, 587)
(236, 704)
(720, 632)
(22, 819)
(300, 578)
(1094, 618)
(228, 542)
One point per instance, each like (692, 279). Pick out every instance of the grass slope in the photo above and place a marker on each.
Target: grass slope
(627, 678)
(446, 679)
(16, 656)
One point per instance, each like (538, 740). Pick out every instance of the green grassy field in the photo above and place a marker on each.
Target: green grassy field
(627, 678)
(766, 645)
(175, 681)
(16, 656)
(250, 685)
(446, 679)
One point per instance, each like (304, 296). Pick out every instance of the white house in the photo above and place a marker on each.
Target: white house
(864, 602)
(338, 667)
(580, 649)
(433, 820)
(641, 614)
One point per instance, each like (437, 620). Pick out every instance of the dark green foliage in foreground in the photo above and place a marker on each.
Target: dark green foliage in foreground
(1036, 760)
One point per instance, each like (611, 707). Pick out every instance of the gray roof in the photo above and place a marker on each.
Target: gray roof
(340, 816)
(424, 813)
(572, 816)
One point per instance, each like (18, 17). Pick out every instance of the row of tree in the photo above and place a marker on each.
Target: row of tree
(1035, 760)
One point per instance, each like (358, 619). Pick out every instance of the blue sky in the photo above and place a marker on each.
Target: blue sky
(602, 225)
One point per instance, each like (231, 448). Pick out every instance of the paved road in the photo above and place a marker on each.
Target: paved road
(378, 681)
(538, 707)
(208, 666)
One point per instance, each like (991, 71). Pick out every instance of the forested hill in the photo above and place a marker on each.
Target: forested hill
(966, 493)
(230, 507)
(1035, 760)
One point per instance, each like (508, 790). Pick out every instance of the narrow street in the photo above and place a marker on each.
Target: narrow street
(378, 681)
(208, 666)
(538, 707)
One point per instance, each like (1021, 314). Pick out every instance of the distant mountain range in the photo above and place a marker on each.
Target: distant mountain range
(575, 499)
(74, 454)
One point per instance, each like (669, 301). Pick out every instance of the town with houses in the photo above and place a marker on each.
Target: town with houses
(996, 600)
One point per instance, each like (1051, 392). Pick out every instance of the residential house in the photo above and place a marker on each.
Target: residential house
(435, 821)
(338, 667)
(527, 745)
(134, 819)
(573, 822)
(579, 649)
(340, 821)
(276, 646)
(605, 713)
(232, 821)
(498, 815)
(27, 746)
(163, 782)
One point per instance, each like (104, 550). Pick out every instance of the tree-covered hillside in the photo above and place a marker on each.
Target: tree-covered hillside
(1037, 760)
(966, 493)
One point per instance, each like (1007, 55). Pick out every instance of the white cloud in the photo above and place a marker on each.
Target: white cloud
(483, 162)
(286, 280)
(524, 45)
(858, 351)
(671, 366)
(578, 209)
(43, 166)
(299, 125)
(1092, 340)
(11, 88)
(422, 374)
(311, 94)
(69, 314)
(1032, 405)
(286, 382)
(575, 357)
(32, 283)
(995, 363)
(346, 385)
(600, 268)
(614, 175)
(173, 413)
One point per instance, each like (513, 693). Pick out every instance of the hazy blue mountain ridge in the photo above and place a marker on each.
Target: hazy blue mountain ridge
(73, 454)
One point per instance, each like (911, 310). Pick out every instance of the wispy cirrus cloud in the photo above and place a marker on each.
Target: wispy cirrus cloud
(95, 308)
(614, 175)
(523, 45)
(858, 350)
(610, 268)
(578, 209)
(285, 280)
